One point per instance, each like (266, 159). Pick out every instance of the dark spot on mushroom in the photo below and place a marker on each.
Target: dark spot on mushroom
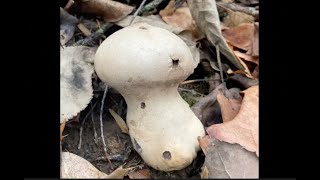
(143, 105)
(136, 146)
(130, 79)
(62, 37)
(175, 62)
(166, 155)
(142, 27)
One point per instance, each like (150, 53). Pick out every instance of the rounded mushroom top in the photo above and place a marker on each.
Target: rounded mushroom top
(142, 55)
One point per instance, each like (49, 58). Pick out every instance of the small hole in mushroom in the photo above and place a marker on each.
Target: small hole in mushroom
(143, 105)
(175, 62)
(166, 155)
(142, 27)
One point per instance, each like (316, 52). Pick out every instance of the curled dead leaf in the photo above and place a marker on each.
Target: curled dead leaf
(111, 11)
(207, 19)
(75, 167)
(243, 129)
(182, 18)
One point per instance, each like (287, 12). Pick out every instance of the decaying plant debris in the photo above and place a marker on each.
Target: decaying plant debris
(222, 91)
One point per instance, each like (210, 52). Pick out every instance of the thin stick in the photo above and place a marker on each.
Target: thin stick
(94, 126)
(101, 125)
(197, 80)
(94, 36)
(219, 63)
(82, 124)
(137, 12)
(80, 138)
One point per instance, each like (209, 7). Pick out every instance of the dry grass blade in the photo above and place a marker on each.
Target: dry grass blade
(84, 29)
(123, 126)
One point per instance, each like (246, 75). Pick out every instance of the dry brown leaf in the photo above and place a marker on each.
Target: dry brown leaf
(225, 160)
(255, 72)
(75, 167)
(247, 57)
(169, 9)
(119, 173)
(235, 18)
(204, 143)
(120, 122)
(62, 126)
(111, 11)
(229, 106)
(140, 174)
(244, 36)
(255, 41)
(181, 18)
(246, 70)
(207, 19)
(243, 129)
(205, 173)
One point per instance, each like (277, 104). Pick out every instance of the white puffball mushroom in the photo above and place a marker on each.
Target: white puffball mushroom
(146, 64)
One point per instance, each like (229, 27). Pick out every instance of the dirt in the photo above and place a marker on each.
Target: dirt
(119, 145)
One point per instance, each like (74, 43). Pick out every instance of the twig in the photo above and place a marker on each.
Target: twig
(94, 36)
(219, 63)
(137, 12)
(80, 137)
(150, 6)
(235, 7)
(197, 80)
(101, 125)
(82, 124)
(68, 5)
(94, 126)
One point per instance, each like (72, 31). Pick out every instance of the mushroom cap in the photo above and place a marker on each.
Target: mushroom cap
(143, 55)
